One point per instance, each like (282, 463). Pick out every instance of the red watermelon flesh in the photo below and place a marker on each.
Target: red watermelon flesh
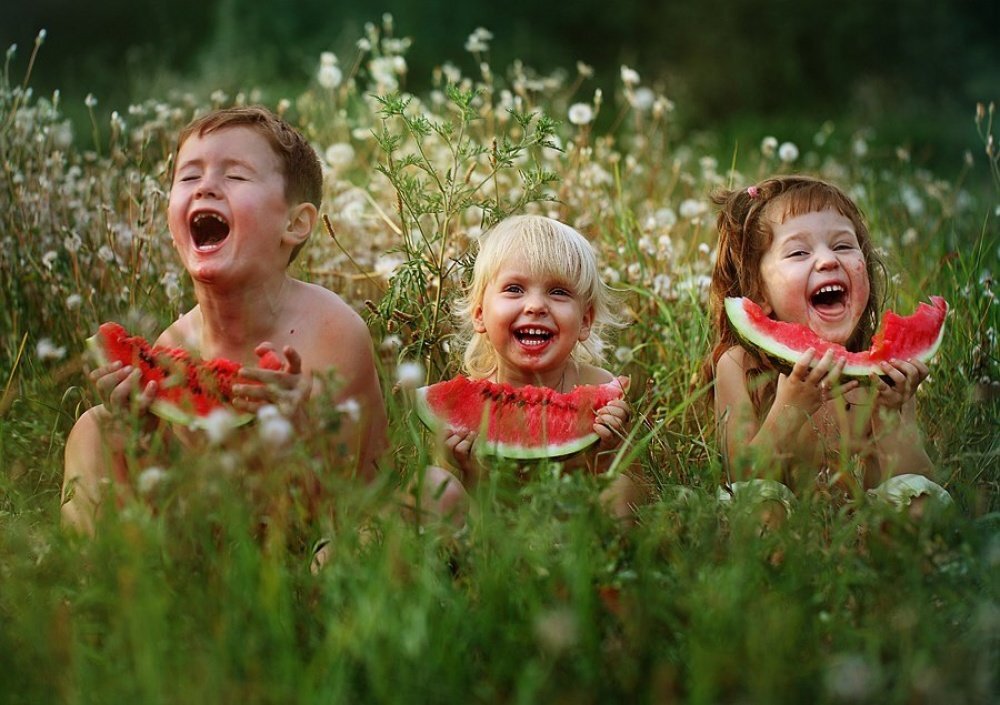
(913, 337)
(517, 422)
(188, 389)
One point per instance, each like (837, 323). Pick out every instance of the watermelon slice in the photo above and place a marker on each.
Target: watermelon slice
(517, 422)
(913, 337)
(188, 389)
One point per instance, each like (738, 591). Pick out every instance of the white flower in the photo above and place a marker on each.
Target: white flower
(72, 243)
(339, 155)
(327, 58)
(410, 374)
(73, 301)
(768, 146)
(350, 408)
(90, 101)
(47, 350)
(623, 355)
(584, 70)
(788, 152)
(630, 77)
(391, 343)
(581, 114)
(329, 76)
(363, 45)
(692, 208)
(106, 253)
(149, 479)
(274, 429)
(49, 258)
(643, 99)
(218, 425)
(704, 249)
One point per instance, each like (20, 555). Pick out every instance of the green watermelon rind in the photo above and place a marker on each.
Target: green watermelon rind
(167, 410)
(502, 449)
(745, 328)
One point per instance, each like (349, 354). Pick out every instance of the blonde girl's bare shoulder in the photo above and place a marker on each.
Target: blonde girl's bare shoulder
(589, 374)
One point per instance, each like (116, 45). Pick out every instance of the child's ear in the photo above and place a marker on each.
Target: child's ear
(586, 323)
(301, 221)
(477, 319)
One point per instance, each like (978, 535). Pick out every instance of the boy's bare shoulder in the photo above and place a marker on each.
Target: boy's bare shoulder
(328, 312)
(184, 332)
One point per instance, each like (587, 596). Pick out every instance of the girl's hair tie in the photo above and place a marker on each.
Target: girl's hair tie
(753, 191)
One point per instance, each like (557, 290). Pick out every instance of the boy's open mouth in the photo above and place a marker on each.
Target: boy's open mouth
(829, 298)
(208, 229)
(532, 336)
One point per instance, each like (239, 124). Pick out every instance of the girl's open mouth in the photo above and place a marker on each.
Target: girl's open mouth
(532, 337)
(208, 229)
(829, 299)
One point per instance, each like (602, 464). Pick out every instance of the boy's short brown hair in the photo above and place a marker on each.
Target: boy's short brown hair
(299, 164)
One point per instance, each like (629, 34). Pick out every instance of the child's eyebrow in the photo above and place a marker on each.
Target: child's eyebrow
(226, 163)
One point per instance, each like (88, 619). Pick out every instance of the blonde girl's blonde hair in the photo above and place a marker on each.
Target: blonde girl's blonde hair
(545, 247)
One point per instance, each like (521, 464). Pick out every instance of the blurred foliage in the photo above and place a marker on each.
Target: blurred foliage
(720, 60)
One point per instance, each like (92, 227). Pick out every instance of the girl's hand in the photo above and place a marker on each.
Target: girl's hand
(808, 389)
(611, 424)
(906, 376)
(118, 388)
(287, 387)
(459, 445)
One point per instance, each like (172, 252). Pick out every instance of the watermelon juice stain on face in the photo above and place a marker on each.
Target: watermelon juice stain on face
(228, 188)
(814, 274)
(534, 322)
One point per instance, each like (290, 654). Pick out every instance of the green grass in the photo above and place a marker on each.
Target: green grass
(186, 598)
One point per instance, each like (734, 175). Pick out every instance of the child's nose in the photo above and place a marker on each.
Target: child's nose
(207, 187)
(826, 260)
(535, 303)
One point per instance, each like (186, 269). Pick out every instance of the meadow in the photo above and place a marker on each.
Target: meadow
(183, 598)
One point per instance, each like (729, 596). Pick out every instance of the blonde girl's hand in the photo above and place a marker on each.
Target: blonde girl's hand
(460, 446)
(611, 424)
(281, 382)
(905, 377)
(118, 387)
(808, 388)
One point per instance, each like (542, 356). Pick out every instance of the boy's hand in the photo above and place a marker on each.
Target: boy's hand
(117, 386)
(287, 387)
(808, 389)
(906, 376)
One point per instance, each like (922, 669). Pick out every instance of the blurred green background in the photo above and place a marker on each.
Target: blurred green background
(912, 69)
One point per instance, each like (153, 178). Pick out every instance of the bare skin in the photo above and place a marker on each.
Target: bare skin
(459, 468)
(816, 416)
(247, 305)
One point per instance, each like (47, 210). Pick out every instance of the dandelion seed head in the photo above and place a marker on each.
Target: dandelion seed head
(73, 301)
(329, 76)
(47, 350)
(339, 155)
(149, 479)
(391, 343)
(581, 114)
(274, 429)
(49, 258)
(409, 374)
(769, 146)
(788, 152)
(630, 77)
(350, 408)
(642, 99)
(218, 425)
